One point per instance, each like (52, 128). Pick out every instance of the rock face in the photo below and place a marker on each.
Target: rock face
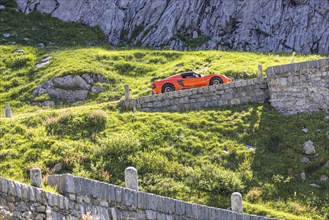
(264, 25)
(71, 88)
(5, 214)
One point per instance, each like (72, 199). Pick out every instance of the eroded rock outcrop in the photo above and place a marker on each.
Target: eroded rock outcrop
(264, 25)
(71, 88)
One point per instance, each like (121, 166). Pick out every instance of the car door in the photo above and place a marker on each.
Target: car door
(192, 80)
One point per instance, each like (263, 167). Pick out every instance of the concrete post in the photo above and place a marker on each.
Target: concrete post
(260, 71)
(131, 178)
(236, 202)
(8, 112)
(36, 177)
(127, 93)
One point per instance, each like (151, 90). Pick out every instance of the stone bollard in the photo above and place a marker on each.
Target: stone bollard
(8, 112)
(131, 178)
(236, 202)
(36, 177)
(127, 92)
(260, 71)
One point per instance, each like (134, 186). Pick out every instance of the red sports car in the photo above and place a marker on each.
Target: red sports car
(187, 80)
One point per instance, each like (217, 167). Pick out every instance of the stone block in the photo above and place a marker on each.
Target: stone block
(4, 185)
(18, 189)
(151, 215)
(180, 207)
(67, 185)
(11, 188)
(118, 194)
(142, 200)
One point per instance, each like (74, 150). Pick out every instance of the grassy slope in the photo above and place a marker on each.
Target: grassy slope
(195, 156)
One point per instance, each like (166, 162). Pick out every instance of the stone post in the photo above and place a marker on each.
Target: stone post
(36, 177)
(127, 93)
(260, 71)
(236, 202)
(8, 112)
(131, 178)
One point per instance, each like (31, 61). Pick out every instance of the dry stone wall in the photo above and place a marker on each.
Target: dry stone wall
(292, 89)
(239, 92)
(300, 87)
(81, 196)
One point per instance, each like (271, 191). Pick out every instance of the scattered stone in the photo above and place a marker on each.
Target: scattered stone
(58, 167)
(27, 215)
(19, 51)
(305, 130)
(6, 35)
(13, 43)
(2, 7)
(195, 34)
(305, 160)
(324, 178)
(8, 112)
(41, 45)
(48, 103)
(327, 118)
(250, 147)
(45, 61)
(180, 65)
(51, 44)
(97, 89)
(327, 164)
(309, 148)
(315, 185)
(327, 134)
(26, 39)
(303, 176)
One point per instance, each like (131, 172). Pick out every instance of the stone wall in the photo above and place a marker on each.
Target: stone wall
(300, 87)
(105, 201)
(238, 92)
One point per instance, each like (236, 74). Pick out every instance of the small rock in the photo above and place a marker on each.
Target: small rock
(41, 45)
(48, 103)
(250, 147)
(305, 160)
(58, 167)
(97, 89)
(327, 118)
(180, 65)
(305, 130)
(45, 61)
(19, 51)
(327, 134)
(303, 176)
(327, 164)
(2, 7)
(6, 35)
(324, 178)
(309, 148)
(195, 34)
(26, 39)
(315, 185)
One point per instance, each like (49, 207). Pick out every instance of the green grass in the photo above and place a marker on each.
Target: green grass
(197, 156)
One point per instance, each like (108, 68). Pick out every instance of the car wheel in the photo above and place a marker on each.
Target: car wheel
(215, 81)
(168, 88)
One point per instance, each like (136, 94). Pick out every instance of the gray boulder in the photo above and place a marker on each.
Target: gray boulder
(309, 148)
(324, 178)
(5, 214)
(2, 7)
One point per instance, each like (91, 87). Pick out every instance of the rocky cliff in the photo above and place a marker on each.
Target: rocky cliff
(251, 25)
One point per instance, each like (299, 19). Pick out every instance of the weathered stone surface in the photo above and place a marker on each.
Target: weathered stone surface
(131, 178)
(265, 25)
(309, 148)
(36, 177)
(45, 61)
(324, 178)
(303, 176)
(236, 202)
(70, 88)
(305, 160)
(2, 7)
(5, 214)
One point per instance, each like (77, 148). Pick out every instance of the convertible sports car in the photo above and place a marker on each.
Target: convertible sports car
(187, 80)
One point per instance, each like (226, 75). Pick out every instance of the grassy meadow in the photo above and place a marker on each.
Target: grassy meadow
(198, 156)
